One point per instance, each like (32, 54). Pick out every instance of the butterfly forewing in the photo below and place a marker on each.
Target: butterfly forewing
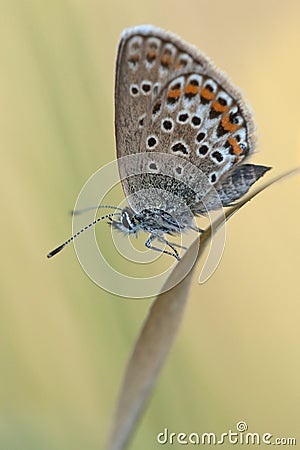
(146, 58)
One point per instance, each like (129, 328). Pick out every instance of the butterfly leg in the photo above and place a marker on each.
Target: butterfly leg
(199, 230)
(151, 239)
(173, 244)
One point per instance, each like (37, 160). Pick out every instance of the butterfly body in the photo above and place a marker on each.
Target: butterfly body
(150, 220)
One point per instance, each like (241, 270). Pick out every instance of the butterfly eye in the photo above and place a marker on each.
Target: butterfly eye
(127, 219)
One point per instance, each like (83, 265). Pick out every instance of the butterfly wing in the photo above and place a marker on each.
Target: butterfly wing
(232, 187)
(170, 98)
(147, 56)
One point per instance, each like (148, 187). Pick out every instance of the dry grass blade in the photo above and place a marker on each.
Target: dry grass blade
(157, 335)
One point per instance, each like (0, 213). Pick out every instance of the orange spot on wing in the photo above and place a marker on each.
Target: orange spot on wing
(166, 60)
(134, 58)
(234, 144)
(191, 89)
(151, 54)
(207, 94)
(218, 107)
(227, 125)
(174, 93)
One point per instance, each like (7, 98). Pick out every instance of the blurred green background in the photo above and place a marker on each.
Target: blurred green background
(64, 341)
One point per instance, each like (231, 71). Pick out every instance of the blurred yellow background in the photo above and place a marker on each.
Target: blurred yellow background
(64, 341)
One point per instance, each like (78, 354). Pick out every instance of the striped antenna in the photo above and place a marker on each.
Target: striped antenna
(60, 247)
(77, 212)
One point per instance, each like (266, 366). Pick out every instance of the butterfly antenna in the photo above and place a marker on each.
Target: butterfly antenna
(77, 212)
(60, 247)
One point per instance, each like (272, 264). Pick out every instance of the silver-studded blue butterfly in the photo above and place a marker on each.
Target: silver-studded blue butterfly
(176, 110)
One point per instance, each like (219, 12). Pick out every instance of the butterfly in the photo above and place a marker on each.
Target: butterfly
(183, 134)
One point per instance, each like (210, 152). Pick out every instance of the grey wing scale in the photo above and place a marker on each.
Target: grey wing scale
(232, 187)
